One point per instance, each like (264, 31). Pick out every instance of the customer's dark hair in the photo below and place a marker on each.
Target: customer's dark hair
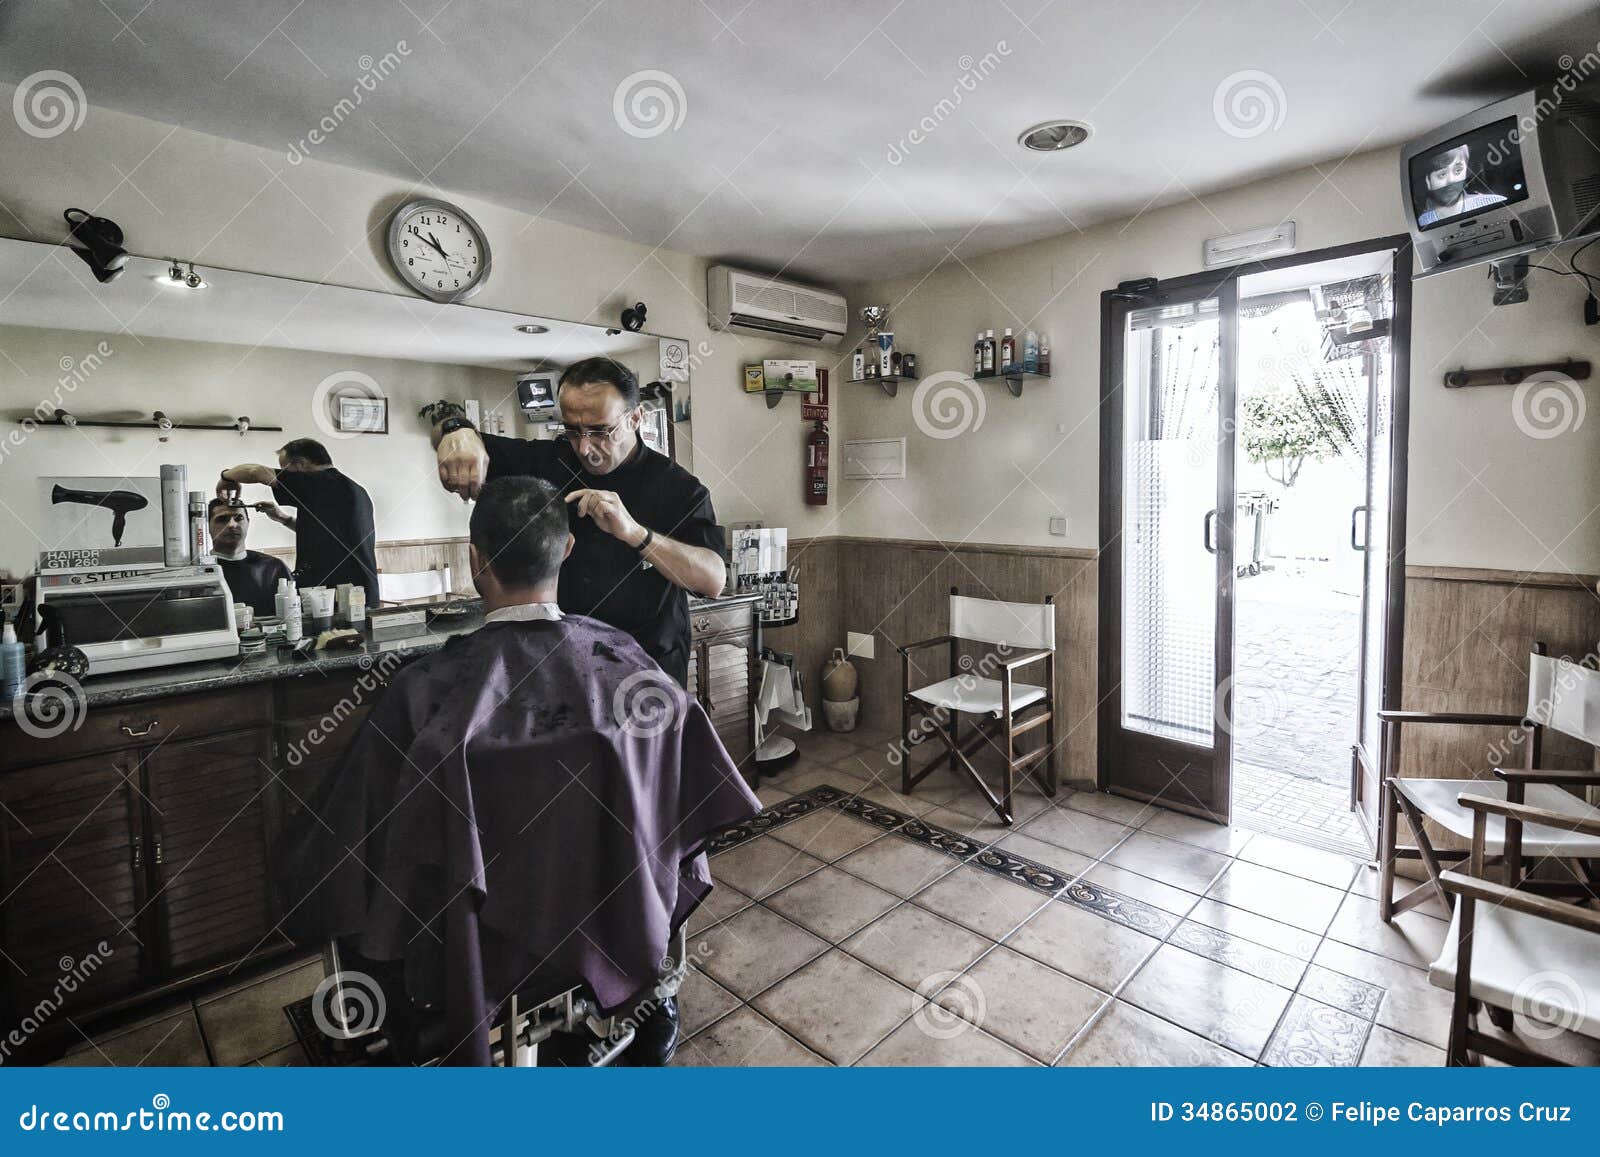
(519, 526)
(603, 371)
(224, 504)
(307, 450)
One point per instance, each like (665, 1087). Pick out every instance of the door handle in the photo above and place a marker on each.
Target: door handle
(1206, 526)
(1356, 514)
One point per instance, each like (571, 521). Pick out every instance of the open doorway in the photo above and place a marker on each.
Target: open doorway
(1313, 411)
(1252, 529)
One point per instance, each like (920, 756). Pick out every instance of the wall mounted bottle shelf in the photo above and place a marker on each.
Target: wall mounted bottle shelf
(1013, 380)
(890, 384)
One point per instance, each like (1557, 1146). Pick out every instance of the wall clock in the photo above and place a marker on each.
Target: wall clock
(438, 249)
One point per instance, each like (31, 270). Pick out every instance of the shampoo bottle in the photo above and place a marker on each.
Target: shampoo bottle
(1008, 353)
(988, 352)
(1030, 353)
(977, 356)
(858, 365)
(1044, 354)
(12, 667)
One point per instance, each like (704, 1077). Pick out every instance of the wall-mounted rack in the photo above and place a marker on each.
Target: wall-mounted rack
(157, 421)
(1577, 371)
(1013, 380)
(889, 384)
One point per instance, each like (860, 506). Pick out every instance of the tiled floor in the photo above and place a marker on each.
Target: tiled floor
(856, 926)
(851, 925)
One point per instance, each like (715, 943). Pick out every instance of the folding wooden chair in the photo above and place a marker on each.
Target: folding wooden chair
(1516, 952)
(998, 702)
(1562, 695)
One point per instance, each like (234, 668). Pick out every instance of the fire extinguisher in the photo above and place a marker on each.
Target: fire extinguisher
(817, 465)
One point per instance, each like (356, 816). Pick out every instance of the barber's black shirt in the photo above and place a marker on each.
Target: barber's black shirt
(253, 580)
(603, 576)
(333, 532)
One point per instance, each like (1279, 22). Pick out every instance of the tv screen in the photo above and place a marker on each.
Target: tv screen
(1467, 175)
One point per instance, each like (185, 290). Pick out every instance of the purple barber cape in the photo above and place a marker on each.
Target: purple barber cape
(522, 811)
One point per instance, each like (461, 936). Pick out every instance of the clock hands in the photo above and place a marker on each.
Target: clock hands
(430, 240)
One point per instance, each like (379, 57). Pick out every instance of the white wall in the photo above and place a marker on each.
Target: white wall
(1482, 492)
(230, 205)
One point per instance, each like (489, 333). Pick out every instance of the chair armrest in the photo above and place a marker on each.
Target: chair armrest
(939, 641)
(1482, 719)
(1528, 902)
(1538, 775)
(1025, 658)
(1524, 813)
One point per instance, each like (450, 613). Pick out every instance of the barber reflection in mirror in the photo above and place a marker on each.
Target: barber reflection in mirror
(645, 534)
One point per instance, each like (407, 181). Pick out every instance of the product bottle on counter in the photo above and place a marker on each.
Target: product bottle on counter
(1044, 355)
(977, 356)
(175, 542)
(988, 351)
(1008, 352)
(13, 666)
(858, 365)
(199, 528)
(1030, 353)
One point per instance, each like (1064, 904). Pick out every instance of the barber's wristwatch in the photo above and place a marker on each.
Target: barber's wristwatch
(649, 537)
(452, 424)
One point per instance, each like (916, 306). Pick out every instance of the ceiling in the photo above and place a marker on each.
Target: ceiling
(788, 136)
(49, 287)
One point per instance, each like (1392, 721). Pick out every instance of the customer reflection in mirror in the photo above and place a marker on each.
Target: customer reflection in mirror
(1447, 188)
(252, 577)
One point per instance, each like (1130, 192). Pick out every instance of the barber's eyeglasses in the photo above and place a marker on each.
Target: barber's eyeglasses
(576, 434)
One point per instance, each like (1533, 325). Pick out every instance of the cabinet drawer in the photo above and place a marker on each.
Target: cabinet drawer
(714, 620)
(144, 724)
(313, 696)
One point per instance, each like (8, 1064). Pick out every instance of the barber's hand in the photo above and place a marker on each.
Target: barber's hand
(463, 462)
(270, 509)
(605, 507)
(228, 489)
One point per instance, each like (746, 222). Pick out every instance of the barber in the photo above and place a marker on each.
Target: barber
(645, 535)
(334, 537)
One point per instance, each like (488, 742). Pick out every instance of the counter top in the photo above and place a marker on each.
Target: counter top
(214, 675)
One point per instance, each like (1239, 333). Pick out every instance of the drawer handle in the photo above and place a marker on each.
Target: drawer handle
(159, 857)
(702, 625)
(138, 852)
(148, 728)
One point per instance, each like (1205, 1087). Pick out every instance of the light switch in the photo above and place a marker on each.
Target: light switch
(859, 645)
(1058, 527)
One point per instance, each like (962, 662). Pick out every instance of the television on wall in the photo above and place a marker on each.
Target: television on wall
(1514, 177)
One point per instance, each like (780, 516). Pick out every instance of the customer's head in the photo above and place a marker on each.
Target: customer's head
(599, 402)
(519, 540)
(303, 454)
(230, 522)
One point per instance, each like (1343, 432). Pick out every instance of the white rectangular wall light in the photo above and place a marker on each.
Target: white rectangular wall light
(875, 458)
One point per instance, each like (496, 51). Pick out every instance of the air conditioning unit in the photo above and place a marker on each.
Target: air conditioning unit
(756, 303)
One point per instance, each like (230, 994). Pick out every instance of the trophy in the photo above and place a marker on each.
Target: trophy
(873, 317)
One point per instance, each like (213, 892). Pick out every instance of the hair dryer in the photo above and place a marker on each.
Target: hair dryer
(120, 502)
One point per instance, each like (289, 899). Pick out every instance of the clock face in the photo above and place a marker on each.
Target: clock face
(438, 250)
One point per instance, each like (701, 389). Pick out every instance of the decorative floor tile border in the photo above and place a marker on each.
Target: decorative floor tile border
(774, 817)
(1315, 1035)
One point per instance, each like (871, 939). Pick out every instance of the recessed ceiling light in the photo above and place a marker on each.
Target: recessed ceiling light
(531, 328)
(1053, 136)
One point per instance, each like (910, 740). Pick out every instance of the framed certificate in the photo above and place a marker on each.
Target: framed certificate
(360, 415)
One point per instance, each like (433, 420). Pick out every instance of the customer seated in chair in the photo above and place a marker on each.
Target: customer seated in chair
(523, 811)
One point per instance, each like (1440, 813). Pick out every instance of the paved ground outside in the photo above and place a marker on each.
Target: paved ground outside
(1296, 661)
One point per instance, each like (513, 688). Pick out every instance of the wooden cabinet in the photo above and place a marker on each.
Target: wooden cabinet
(722, 657)
(208, 850)
(74, 924)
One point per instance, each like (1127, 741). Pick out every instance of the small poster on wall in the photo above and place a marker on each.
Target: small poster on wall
(99, 522)
(674, 359)
(814, 406)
